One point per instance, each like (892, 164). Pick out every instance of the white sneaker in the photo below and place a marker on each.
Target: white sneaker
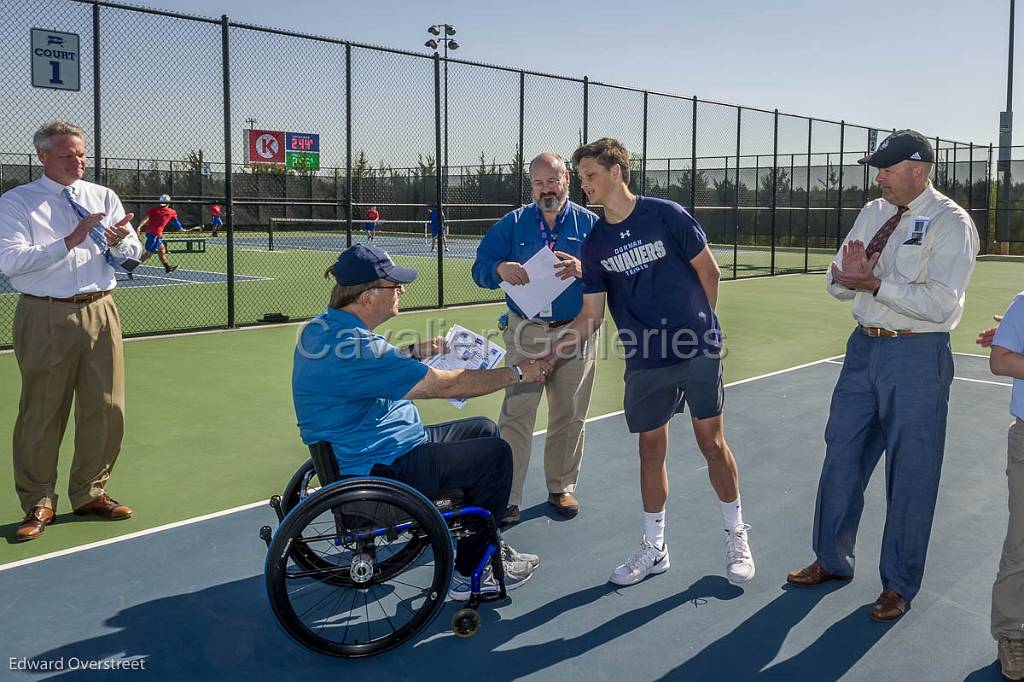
(462, 585)
(739, 564)
(510, 555)
(648, 560)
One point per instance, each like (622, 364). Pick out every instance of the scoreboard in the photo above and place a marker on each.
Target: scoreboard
(299, 151)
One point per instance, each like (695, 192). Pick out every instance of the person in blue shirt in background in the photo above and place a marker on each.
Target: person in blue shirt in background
(437, 227)
(354, 389)
(552, 222)
(651, 261)
(1007, 359)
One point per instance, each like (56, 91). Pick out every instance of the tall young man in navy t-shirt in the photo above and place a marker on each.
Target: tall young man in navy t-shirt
(650, 260)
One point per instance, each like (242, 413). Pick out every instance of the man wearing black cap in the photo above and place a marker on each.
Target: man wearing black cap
(905, 266)
(354, 389)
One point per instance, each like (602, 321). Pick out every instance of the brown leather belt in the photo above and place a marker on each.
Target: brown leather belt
(550, 325)
(80, 298)
(887, 333)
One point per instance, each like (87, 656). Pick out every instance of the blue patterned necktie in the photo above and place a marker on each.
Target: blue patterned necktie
(96, 233)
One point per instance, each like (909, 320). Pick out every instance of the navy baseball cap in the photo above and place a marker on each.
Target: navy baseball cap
(903, 145)
(361, 264)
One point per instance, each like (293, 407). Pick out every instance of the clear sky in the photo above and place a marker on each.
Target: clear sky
(936, 65)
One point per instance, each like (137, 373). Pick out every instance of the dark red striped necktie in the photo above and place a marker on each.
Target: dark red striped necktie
(881, 237)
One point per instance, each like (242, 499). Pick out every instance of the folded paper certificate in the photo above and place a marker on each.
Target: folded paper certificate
(544, 286)
(466, 350)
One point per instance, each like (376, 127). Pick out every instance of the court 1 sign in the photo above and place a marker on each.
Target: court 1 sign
(55, 60)
(302, 151)
(264, 147)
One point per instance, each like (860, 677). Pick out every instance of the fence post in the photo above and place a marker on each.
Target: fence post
(775, 185)
(520, 187)
(988, 200)
(736, 196)
(437, 176)
(228, 190)
(643, 158)
(935, 166)
(954, 169)
(807, 199)
(348, 144)
(839, 201)
(96, 120)
(586, 109)
(693, 160)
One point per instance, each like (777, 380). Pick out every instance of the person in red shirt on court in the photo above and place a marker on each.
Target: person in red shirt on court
(372, 216)
(157, 218)
(215, 219)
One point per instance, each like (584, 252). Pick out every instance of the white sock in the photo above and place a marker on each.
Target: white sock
(654, 528)
(732, 512)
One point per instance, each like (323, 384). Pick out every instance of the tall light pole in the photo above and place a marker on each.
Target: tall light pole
(447, 30)
(1006, 134)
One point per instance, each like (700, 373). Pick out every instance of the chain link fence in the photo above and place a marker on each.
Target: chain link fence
(403, 133)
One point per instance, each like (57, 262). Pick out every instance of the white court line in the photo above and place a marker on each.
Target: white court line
(253, 505)
(973, 381)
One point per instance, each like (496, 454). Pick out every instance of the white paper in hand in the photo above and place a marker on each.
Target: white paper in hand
(466, 350)
(544, 286)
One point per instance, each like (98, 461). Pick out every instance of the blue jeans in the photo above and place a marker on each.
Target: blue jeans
(892, 396)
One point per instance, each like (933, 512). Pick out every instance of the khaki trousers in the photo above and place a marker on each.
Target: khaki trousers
(568, 389)
(67, 350)
(1008, 591)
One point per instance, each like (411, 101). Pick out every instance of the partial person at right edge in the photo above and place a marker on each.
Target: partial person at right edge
(651, 260)
(555, 223)
(1007, 621)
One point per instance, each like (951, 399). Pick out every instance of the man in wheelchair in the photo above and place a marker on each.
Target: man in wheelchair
(351, 387)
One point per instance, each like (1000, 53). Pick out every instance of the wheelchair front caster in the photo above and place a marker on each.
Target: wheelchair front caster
(265, 534)
(465, 622)
(275, 503)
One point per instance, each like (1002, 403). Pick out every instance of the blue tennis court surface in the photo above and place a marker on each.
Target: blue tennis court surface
(189, 601)
(153, 276)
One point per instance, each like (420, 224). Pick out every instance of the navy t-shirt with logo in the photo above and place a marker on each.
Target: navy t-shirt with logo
(654, 294)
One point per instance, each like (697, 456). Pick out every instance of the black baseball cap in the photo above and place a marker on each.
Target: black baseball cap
(902, 145)
(361, 264)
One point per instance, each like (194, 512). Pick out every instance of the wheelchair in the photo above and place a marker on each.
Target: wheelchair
(361, 565)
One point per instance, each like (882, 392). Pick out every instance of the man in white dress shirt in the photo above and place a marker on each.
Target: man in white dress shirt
(61, 239)
(908, 289)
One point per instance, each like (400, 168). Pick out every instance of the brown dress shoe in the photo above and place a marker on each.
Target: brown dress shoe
(510, 516)
(105, 507)
(812, 575)
(565, 504)
(889, 606)
(37, 519)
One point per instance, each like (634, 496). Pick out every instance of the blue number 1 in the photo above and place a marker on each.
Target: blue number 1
(55, 73)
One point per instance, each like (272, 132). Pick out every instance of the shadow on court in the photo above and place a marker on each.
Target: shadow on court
(190, 601)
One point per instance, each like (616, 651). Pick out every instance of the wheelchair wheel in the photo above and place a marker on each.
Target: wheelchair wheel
(361, 595)
(465, 622)
(303, 484)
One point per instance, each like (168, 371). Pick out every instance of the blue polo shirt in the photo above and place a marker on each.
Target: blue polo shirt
(654, 294)
(348, 386)
(1010, 335)
(517, 237)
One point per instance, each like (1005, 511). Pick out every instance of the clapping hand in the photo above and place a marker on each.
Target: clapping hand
(858, 269)
(985, 336)
(119, 230)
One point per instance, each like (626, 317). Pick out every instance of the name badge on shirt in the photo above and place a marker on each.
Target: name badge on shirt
(918, 229)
